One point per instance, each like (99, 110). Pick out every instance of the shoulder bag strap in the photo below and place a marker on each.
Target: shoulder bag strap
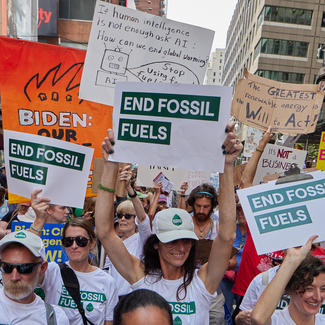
(71, 283)
(50, 314)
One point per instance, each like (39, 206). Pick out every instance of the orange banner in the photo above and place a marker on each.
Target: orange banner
(39, 85)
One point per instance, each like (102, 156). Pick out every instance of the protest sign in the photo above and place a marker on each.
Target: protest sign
(41, 96)
(252, 139)
(286, 215)
(51, 237)
(59, 168)
(177, 176)
(321, 153)
(171, 125)
(272, 177)
(130, 45)
(287, 108)
(278, 159)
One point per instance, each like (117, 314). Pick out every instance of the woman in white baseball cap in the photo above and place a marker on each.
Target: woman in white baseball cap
(168, 265)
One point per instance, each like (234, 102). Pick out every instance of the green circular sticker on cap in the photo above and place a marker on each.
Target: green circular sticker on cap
(177, 221)
(20, 235)
(90, 307)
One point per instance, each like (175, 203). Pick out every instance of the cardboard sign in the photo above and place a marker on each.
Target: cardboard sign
(278, 159)
(287, 108)
(57, 167)
(321, 153)
(252, 139)
(130, 45)
(171, 125)
(41, 96)
(286, 215)
(51, 237)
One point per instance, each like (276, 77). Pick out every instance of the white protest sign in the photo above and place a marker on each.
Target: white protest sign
(130, 45)
(180, 126)
(59, 168)
(286, 215)
(177, 176)
(278, 159)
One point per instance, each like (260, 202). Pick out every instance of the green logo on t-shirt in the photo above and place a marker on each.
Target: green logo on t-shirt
(177, 321)
(90, 307)
(20, 235)
(177, 221)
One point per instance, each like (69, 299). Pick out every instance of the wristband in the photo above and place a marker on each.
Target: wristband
(35, 229)
(259, 150)
(107, 189)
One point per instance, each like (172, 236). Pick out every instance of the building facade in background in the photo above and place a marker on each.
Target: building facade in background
(278, 40)
(215, 67)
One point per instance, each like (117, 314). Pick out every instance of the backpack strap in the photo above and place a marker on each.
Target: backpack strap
(71, 283)
(265, 278)
(50, 314)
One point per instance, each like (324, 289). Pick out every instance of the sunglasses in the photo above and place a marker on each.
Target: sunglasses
(80, 241)
(127, 216)
(25, 268)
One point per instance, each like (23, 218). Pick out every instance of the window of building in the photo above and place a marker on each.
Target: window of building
(77, 9)
(288, 15)
(281, 47)
(290, 77)
(323, 19)
(213, 80)
(214, 74)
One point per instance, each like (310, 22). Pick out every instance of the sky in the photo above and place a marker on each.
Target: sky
(211, 14)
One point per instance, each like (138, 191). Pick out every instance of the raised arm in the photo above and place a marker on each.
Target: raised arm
(250, 168)
(39, 205)
(126, 264)
(268, 301)
(212, 272)
(154, 202)
(181, 203)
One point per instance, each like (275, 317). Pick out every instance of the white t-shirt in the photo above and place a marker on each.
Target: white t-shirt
(281, 317)
(12, 312)
(193, 310)
(256, 288)
(134, 245)
(98, 294)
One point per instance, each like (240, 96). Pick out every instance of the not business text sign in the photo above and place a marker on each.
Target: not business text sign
(180, 126)
(286, 215)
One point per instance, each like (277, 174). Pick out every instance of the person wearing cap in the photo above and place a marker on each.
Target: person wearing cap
(168, 264)
(22, 264)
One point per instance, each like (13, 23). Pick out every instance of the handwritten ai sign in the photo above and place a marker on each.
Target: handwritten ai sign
(129, 45)
(287, 108)
(58, 167)
(286, 215)
(171, 125)
(278, 159)
(321, 154)
(51, 237)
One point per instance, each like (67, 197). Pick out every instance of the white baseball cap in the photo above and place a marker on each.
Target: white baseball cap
(26, 238)
(172, 224)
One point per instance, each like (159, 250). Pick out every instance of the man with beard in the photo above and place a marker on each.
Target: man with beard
(203, 200)
(22, 263)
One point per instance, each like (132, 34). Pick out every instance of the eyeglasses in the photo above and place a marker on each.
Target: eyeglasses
(25, 268)
(127, 216)
(80, 241)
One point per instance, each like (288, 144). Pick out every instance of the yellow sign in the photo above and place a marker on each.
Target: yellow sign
(321, 153)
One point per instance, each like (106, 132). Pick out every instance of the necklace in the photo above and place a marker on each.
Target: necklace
(202, 230)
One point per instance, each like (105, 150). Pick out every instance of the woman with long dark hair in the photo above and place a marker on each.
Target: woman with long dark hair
(168, 265)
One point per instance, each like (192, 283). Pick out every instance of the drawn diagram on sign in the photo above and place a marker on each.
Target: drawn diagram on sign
(114, 68)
